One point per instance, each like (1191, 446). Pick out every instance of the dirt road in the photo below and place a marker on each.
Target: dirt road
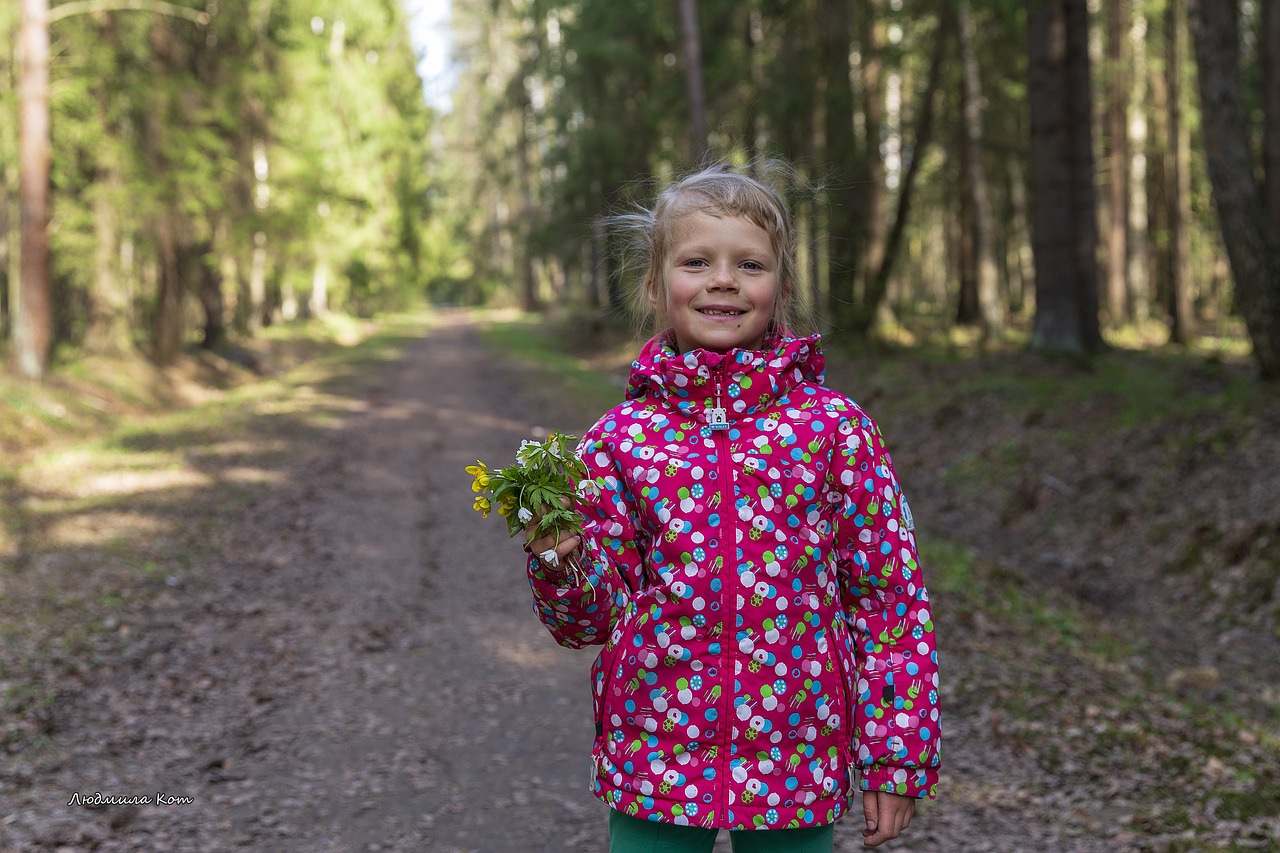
(356, 666)
(353, 665)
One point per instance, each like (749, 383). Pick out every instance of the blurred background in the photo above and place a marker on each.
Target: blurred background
(1046, 173)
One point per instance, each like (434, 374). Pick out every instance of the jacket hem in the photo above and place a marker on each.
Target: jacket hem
(820, 812)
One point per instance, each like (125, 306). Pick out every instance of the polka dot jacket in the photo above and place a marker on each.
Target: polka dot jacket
(754, 580)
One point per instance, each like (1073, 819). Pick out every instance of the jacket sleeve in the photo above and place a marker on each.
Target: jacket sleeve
(896, 715)
(583, 614)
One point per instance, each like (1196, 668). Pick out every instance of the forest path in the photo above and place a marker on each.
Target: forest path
(354, 665)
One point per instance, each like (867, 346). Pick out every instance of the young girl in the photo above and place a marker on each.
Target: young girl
(751, 569)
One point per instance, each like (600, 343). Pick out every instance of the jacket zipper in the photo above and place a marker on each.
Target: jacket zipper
(728, 589)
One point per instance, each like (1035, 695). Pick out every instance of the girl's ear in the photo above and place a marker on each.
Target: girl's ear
(653, 290)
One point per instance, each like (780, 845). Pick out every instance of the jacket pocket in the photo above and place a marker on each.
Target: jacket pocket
(604, 671)
(843, 658)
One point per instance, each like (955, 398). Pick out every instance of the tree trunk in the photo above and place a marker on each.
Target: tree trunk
(755, 127)
(524, 187)
(33, 318)
(1269, 52)
(259, 312)
(212, 300)
(167, 328)
(598, 290)
(1119, 14)
(874, 188)
(317, 304)
(1138, 297)
(844, 222)
(1065, 232)
(693, 78)
(10, 257)
(991, 312)
(1253, 244)
(1178, 157)
(1023, 257)
(108, 331)
(967, 311)
(108, 328)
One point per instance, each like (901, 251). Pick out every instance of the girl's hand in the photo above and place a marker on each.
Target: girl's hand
(547, 544)
(887, 816)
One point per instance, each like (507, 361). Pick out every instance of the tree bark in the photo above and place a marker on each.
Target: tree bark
(1118, 70)
(212, 299)
(1178, 157)
(108, 329)
(1065, 231)
(33, 317)
(844, 222)
(991, 312)
(1252, 242)
(693, 78)
(875, 192)
(526, 260)
(259, 310)
(1138, 297)
(10, 237)
(167, 329)
(968, 312)
(1269, 53)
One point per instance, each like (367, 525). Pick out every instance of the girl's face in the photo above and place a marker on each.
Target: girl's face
(721, 283)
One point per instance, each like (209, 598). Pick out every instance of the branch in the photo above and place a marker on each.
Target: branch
(81, 7)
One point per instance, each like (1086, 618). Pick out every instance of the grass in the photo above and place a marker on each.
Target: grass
(529, 341)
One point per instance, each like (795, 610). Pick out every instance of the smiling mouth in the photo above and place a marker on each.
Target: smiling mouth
(718, 312)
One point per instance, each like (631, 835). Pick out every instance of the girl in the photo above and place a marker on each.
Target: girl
(751, 569)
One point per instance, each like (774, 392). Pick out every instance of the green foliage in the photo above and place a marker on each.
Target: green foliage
(540, 484)
(540, 488)
(282, 132)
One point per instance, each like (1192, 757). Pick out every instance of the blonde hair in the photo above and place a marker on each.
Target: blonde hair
(719, 191)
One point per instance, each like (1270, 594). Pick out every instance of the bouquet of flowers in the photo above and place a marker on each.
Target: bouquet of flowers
(538, 485)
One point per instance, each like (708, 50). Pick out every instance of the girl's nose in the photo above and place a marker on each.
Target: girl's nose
(724, 278)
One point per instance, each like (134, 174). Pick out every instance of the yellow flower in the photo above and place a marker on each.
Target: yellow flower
(482, 506)
(481, 474)
(508, 506)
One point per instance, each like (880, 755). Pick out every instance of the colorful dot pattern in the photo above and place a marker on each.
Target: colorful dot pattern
(765, 625)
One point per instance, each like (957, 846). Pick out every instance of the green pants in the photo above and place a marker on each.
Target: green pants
(632, 835)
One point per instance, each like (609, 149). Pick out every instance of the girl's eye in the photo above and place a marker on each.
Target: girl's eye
(752, 265)
(696, 262)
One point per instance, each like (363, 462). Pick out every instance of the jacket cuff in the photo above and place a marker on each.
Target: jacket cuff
(919, 783)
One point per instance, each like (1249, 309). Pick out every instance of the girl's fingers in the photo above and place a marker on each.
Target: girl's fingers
(568, 546)
(563, 547)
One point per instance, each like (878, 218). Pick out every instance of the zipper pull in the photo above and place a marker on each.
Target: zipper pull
(717, 417)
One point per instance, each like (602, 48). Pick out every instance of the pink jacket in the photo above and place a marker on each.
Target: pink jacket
(756, 587)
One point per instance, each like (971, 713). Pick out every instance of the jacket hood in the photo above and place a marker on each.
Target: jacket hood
(745, 381)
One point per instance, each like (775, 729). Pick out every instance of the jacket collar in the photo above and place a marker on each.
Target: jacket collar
(747, 381)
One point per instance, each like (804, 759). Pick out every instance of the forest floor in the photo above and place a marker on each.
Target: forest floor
(274, 615)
